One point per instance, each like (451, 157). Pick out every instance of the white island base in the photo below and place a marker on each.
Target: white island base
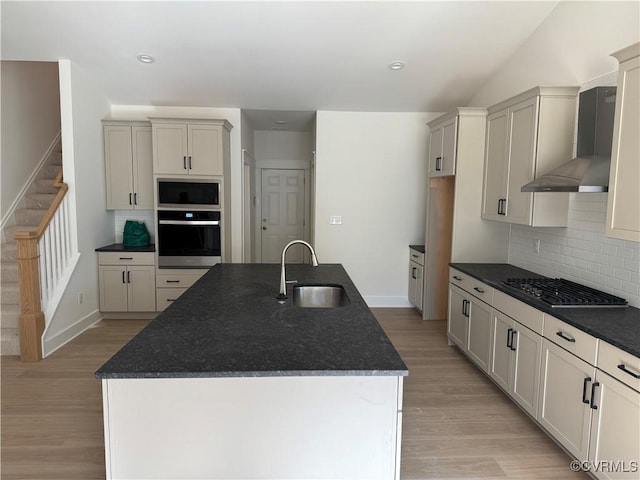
(311, 427)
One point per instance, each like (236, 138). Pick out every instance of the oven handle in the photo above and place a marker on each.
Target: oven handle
(189, 222)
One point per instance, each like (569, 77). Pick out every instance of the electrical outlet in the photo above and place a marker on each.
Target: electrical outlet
(80, 298)
(335, 220)
(536, 245)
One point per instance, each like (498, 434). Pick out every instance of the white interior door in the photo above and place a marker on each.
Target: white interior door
(282, 214)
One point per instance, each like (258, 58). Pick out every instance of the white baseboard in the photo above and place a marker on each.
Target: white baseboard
(52, 344)
(389, 302)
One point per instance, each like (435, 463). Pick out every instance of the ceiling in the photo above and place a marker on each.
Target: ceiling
(285, 56)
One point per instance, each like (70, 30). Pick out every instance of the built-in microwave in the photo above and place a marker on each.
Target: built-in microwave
(188, 193)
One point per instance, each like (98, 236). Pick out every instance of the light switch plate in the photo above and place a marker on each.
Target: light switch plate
(335, 220)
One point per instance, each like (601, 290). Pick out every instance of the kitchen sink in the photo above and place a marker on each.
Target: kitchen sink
(320, 296)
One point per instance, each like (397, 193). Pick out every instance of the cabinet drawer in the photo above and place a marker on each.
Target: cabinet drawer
(619, 364)
(416, 256)
(528, 316)
(573, 340)
(126, 258)
(460, 279)
(176, 280)
(166, 296)
(480, 290)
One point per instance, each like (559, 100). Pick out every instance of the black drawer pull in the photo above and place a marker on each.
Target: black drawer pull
(123, 281)
(623, 367)
(171, 299)
(562, 335)
(173, 281)
(584, 390)
(455, 277)
(479, 290)
(509, 338)
(126, 258)
(593, 395)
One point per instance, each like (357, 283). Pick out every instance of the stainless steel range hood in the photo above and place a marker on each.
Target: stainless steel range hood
(589, 171)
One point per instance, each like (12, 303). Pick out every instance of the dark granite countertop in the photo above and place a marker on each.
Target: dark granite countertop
(417, 248)
(617, 326)
(118, 247)
(229, 324)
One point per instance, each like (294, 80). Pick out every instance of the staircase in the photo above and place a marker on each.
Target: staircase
(26, 217)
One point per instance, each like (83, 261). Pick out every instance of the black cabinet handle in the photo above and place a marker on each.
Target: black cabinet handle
(623, 367)
(123, 277)
(455, 277)
(413, 272)
(513, 334)
(438, 164)
(135, 198)
(479, 290)
(184, 162)
(190, 166)
(128, 277)
(509, 338)
(125, 258)
(593, 395)
(467, 310)
(464, 307)
(584, 390)
(171, 299)
(563, 336)
(173, 281)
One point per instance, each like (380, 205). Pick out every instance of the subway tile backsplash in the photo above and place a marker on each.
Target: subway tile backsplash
(581, 252)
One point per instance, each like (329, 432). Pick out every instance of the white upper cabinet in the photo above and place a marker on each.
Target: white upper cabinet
(189, 147)
(129, 165)
(527, 136)
(623, 215)
(442, 148)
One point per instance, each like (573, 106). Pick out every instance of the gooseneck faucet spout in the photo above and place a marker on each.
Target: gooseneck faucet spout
(283, 281)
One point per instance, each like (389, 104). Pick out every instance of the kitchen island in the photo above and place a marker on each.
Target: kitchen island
(229, 383)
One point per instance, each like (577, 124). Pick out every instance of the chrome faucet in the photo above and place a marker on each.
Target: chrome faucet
(283, 281)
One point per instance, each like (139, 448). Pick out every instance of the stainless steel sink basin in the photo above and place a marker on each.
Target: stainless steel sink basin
(320, 296)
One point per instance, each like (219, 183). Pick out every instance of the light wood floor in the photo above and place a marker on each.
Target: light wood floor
(456, 423)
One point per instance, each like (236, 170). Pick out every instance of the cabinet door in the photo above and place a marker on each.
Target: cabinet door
(142, 168)
(413, 281)
(496, 166)
(526, 371)
(457, 325)
(623, 218)
(501, 364)
(170, 148)
(449, 135)
(419, 286)
(562, 410)
(614, 429)
(113, 288)
(523, 127)
(205, 149)
(435, 151)
(118, 164)
(479, 341)
(141, 288)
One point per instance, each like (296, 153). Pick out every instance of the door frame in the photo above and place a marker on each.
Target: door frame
(258, 199)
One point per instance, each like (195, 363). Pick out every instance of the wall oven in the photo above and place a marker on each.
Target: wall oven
(188, 193)
(189, 238)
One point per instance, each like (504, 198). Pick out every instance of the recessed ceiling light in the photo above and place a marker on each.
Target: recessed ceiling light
(144, 58)
(398, 65)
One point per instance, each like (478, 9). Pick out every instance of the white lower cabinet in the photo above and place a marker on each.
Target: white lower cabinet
(515, 361)
(564, 405)
(169, 286)
(469, 326)
(127, 282)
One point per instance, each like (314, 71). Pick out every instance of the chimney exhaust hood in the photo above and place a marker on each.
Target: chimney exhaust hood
(589, 171)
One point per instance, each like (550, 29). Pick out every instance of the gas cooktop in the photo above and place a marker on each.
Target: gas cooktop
(558, 292)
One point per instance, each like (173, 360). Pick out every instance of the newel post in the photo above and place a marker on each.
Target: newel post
(31, 315)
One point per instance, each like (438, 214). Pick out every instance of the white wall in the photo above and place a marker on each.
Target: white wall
(572, 46)
(31, 121)
(82, 106)
(371, 170)
(142, 112)
(275, 145)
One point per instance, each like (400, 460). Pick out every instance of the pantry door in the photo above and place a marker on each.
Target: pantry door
(283, 211)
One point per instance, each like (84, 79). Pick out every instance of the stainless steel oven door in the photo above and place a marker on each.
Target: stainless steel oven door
(189, 239)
